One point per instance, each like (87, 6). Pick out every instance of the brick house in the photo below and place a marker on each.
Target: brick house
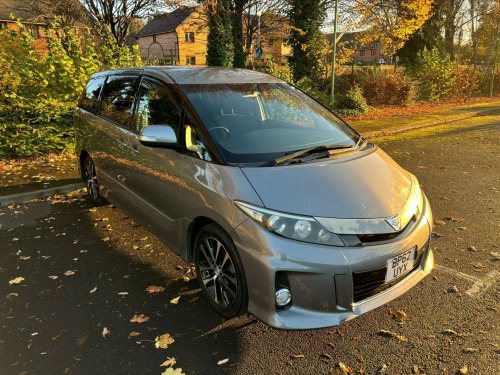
(177, 38)
(36, 22)
(371, 53)
(272, 42)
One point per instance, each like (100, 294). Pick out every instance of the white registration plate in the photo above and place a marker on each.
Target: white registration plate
(400, 265)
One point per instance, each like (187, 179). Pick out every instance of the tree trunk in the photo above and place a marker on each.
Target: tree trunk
(449, 37)
(239, 54)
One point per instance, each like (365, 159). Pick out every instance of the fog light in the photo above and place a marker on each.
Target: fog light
(283, 297)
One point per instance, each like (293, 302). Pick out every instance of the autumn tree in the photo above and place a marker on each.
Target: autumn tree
(392, 22)
(118, 15)
(307, 42)
(428, 36)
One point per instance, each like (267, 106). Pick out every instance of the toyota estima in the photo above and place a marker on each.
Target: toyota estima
(285, 210)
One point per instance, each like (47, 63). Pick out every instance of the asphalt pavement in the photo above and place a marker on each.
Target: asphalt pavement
(86, 290)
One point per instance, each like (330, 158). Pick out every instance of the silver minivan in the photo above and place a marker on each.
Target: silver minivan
(286, 211)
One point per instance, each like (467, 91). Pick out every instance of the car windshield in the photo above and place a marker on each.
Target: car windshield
(259, 122)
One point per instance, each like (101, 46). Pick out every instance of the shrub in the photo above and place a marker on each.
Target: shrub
(466, 82)
(282, 72)
(379, 86)
(389, 89)
(351, 104)
(434, 72)
(38, 91)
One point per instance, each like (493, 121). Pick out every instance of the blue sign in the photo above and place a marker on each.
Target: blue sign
(258, 52)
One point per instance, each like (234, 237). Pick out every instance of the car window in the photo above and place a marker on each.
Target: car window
(91, 94)
(259, 122)
(157, 106)
(118, 99)
(193, 141)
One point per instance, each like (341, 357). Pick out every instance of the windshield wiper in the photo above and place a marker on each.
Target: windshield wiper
(296, 154)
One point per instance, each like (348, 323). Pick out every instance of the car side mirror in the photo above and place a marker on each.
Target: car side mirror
(158, 136)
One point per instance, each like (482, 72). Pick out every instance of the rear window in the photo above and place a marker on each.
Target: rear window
(91, 94)
(118, 98)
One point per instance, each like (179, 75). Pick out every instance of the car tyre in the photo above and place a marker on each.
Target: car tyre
(91, 182)
(220, 272)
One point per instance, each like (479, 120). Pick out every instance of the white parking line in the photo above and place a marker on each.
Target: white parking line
(479, 284)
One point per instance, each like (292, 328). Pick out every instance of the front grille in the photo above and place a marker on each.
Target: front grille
(369, 283)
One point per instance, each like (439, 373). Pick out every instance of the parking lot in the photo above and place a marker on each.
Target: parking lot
(87, 291)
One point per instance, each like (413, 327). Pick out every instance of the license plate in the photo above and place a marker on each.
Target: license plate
(400, 265)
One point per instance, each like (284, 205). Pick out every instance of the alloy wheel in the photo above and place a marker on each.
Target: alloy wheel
(217, 272)
(91, 180)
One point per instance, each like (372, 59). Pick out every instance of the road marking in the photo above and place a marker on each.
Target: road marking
(479, 284)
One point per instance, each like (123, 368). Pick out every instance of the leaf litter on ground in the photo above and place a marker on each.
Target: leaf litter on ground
(139, 318)
(163, 341)
(385, 333)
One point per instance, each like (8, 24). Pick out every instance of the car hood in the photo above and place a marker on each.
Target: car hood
(367, 185)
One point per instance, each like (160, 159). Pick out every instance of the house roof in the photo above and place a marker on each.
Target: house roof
(350, 40)
(21, 9)
(13, 6)
(165, 23)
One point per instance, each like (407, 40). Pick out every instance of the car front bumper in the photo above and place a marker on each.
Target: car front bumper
(321, 277)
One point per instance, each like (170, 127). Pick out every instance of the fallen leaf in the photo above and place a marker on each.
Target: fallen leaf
(123, 293)
(437, 235)
(470, 350)
(463, 370)
(186, 279)
(298, 356)
(105, 332)
(155, 289)
(222, 361)
(175, 301)
(194, 299)
(169, 362)
(383, 332)
(400, 315)
(382, 369)
(472, 249)
(139, 318)
(342, 369)
(172, 371)
(440, 222)
(93, 290)
(163, 341)
(450, 332)
(134, 333)
(332, 345)
(69, 273)
(17, 280)
(327, 355)
(495, 255)
(453, 289)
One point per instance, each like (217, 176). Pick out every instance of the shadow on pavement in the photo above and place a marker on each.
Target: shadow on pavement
(53, 320)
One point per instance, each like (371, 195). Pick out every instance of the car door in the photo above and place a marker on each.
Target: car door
(153, 174)
(113, 130)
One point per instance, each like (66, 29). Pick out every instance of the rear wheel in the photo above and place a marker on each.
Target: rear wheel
(90, 178)
(220, 272)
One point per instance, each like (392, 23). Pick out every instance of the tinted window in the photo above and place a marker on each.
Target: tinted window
(91, 94)
(157, 106)
(259, 122)
(118, 99)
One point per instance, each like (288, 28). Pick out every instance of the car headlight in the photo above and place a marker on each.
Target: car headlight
(300, 228)
(419, 197)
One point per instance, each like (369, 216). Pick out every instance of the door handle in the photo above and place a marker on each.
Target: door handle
(134, 149)
(121, 142)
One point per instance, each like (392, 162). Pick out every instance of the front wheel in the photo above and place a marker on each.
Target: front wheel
(90, 178)
(220, 272)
